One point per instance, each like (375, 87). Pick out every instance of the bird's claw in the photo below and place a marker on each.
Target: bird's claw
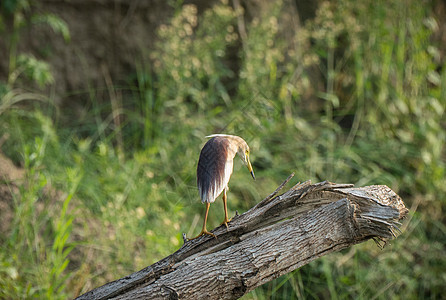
(203, 232)
(225, 222)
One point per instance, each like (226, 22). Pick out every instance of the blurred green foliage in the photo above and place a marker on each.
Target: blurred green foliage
(24, 68)
(357, 95)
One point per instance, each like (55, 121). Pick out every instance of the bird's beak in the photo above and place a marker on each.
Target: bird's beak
(250, 168)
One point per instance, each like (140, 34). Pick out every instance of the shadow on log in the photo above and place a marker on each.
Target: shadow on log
(277, 236)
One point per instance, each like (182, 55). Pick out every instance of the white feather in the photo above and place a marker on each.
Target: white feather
(228, 172)
(218, 187)
(217, 134)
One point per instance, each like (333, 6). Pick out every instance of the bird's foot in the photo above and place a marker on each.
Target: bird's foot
(225, 222)
(203, 232)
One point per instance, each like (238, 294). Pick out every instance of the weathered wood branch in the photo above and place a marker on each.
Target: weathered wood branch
(278, 235)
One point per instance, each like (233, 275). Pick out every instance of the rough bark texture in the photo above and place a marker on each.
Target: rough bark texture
(275, 237)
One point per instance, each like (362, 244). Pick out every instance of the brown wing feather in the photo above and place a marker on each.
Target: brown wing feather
(211, 168)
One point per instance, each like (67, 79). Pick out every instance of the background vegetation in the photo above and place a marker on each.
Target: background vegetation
(356, 95)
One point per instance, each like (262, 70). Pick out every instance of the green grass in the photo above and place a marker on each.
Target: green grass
(103, 197)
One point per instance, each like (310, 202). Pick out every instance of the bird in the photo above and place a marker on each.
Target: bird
(214, 170)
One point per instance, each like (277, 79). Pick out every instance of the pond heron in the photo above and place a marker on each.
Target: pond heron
(215, 168)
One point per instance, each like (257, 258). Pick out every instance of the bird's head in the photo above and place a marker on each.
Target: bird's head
(243, 152)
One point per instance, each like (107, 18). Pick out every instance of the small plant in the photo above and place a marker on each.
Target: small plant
(190, 58)
(38, 222)
(33, 69)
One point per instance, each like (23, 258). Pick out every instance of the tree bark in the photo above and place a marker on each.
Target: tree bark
(277, 236)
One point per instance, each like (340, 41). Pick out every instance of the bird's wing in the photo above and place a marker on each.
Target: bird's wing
(214, 169)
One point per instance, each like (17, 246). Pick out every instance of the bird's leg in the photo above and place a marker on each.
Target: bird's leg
(204, 231)
(226, 220)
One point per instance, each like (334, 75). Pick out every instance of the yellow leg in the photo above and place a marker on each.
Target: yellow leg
(226, 220)
(204, 231)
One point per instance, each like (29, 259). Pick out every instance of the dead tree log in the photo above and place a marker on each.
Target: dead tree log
(278, 235)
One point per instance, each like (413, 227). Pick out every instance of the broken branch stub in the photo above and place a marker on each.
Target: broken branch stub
(275, 237)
